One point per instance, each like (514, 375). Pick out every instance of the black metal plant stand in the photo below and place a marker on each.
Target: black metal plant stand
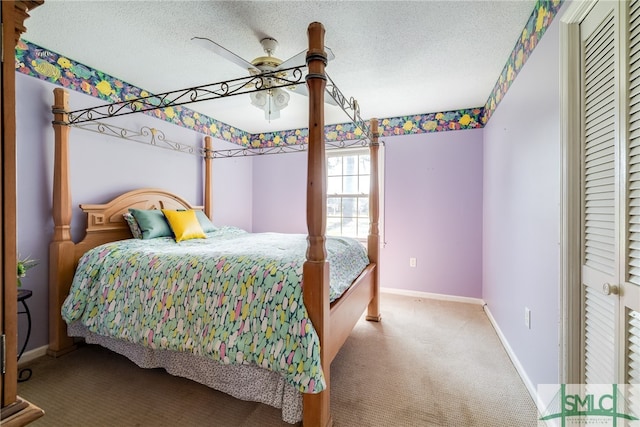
(24, 294)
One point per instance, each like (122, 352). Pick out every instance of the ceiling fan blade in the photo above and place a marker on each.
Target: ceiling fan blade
(295, 61)
(301, 58)
(223, 52)
(301, 89)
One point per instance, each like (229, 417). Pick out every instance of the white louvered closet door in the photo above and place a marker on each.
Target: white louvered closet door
(611, 195)
(601, 191)
(630, 293)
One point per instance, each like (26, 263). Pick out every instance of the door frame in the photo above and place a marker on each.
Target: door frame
(570, 295)
(14, 411)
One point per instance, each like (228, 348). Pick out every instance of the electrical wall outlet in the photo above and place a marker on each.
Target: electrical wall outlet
(412, 262)
(527, 317)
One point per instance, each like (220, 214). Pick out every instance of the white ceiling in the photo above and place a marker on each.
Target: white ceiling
(395, 57)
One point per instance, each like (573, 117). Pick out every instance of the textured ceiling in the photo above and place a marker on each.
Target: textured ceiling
(396, 58)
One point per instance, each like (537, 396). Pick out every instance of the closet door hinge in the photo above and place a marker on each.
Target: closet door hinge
(3, 353)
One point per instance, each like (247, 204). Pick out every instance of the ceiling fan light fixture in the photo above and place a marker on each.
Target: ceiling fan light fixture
(258, 99)
(280, 98)
(271, 101)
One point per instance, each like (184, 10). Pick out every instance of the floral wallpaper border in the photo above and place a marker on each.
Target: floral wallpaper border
(540, 19)
(43, 64)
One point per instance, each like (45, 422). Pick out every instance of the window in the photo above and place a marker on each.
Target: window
(348, 174)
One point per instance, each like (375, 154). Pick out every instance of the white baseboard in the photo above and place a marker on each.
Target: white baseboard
(30, 355)
(430, 295)
(514, 359)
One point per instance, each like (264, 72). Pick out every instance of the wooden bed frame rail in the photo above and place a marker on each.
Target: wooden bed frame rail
(333, 322)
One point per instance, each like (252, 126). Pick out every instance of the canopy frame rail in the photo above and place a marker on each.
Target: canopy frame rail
(155, 137)
(260, 82)
(261, 151)
(145, 135)
(87, 119)
(350, 107)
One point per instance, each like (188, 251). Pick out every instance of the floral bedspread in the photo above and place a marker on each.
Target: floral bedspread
(234, 297)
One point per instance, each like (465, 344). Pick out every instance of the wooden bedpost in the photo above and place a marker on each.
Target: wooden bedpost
(62, 248)
(373, 241)
(208, 176)
(316, 269)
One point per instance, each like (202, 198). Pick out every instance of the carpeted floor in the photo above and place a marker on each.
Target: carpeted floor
(428, 363)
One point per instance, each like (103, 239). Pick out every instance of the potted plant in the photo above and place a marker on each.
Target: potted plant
(23, 266)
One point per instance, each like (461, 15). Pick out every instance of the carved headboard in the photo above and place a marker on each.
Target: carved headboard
(106, 224)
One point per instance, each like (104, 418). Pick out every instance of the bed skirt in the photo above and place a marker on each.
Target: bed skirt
(245, 382)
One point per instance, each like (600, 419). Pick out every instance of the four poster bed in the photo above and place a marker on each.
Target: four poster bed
(297, 380)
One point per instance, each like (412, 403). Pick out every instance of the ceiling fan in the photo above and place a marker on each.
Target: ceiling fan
(271, 101)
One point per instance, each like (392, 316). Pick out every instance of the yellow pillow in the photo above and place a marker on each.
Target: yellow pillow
(184, 224)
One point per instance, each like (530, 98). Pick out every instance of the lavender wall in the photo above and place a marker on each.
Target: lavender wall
(522, 213)
(433, 209)
(232, 189)
(279, 193)
(101, 168)
(433, 212)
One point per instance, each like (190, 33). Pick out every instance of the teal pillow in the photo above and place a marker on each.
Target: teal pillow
(205, 222)
(152, 223)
